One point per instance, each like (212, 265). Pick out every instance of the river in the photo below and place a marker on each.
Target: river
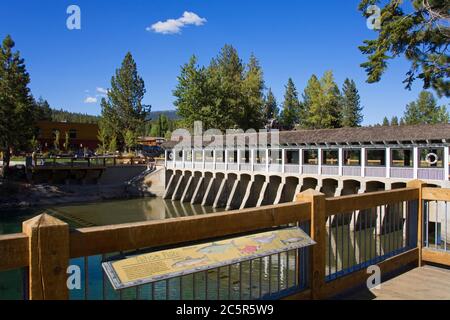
(227, 280)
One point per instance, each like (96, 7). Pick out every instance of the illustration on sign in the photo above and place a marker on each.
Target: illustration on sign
(162, 265)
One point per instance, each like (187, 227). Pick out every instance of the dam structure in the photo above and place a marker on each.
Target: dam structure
(335, 162)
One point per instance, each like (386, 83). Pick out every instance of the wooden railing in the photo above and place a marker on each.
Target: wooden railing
(46, 244)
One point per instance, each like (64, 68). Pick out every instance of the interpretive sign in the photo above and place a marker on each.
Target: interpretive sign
(162, 265)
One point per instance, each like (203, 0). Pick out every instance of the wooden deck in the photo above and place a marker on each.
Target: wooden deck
(426, 283)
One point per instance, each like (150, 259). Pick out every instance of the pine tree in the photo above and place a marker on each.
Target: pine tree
(43, 110)
(351, 106)
(290, 114)
(227, 94)
(113, 144)
(130, 139)
(227, 74)
(252, 116)
(271, 110)
(193, 97)
(419, 33)
(322, 103)
(311, 96)
(425, 110)
(123, 110)
(394, 121)
(385, 122)
(17, 106)
(103, 139)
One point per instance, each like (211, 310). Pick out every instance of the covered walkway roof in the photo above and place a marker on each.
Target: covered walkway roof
(407, 134)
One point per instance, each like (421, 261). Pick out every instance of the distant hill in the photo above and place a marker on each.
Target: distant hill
(76, 117)
(171, 114)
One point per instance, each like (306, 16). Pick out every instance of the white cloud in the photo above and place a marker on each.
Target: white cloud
(173, 26)
(102, 91)
(90, 100)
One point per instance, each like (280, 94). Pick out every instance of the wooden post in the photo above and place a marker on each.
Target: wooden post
(48, 246)
(420, 185)
(318, 234)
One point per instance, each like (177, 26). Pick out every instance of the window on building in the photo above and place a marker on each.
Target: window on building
(311, 157)
(209, 156)
(72, 134)
(330, 157)
(292, 157)
(402, 158)
(260, 156)
(245, 156)
(431, 158)
(275, 156)
(352, 157)
(220, 156)
(232, 156)
(198, 156)
(376, 157)
(188, 155)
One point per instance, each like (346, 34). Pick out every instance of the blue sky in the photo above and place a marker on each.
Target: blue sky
(291, 38)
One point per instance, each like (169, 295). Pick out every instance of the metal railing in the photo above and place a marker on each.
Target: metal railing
(331, 170)
(361, 238)
(270, 277)
(436, 225)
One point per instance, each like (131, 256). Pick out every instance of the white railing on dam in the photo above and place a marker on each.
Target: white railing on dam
(431, 174)
(292, 168)
(354, 171)
(310, 169)
(326, 170)
(426, 162)
(405, 173)
(376, 172)
(330, 170)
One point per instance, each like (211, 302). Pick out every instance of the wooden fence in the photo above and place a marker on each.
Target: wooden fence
(46, 244)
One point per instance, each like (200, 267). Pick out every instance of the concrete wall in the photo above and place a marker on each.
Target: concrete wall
(289, 189)
(235, 190)
(270, 194)
(119, 175)
(254, 192)
(213, 189)
(191, 187)
(224, 194)
(238, 194)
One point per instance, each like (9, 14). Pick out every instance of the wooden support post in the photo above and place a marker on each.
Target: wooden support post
(318, 234)
(48, 246)
(420, 185)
